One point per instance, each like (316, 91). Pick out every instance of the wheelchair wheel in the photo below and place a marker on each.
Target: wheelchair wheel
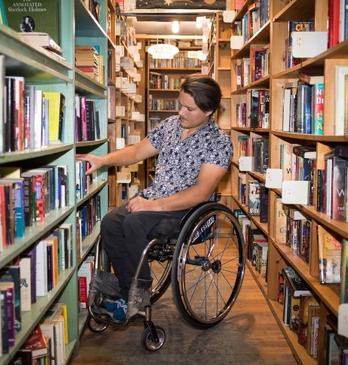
(95, 325)
(208, 265)
(160, 272)
(148, 338)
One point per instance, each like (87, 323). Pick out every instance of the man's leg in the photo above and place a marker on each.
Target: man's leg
(115, 245)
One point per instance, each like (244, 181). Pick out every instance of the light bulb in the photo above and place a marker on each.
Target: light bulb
(175, 26)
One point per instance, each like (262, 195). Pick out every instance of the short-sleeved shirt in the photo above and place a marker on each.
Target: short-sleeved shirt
(179, 161)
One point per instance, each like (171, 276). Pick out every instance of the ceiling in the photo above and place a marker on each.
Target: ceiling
(158, 21)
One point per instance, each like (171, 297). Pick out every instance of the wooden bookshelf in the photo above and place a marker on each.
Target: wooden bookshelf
(128, 90)
(274, 33)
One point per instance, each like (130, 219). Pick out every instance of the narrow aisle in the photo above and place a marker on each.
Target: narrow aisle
(248, 336)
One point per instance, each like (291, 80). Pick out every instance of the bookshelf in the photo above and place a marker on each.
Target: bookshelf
(223, 73)
(284, 75)
(51, 73)
(127, 124)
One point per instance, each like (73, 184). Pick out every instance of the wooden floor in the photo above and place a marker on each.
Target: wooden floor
(249, 335)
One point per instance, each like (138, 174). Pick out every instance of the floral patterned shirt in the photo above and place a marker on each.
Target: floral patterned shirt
(179, 161)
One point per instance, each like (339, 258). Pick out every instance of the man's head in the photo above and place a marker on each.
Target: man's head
(205, 91)
(199, 98)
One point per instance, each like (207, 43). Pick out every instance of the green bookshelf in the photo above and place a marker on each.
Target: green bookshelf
(49, 72)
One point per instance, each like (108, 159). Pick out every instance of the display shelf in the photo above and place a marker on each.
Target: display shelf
(94, 188)
(94, 143)
(85, 83)
(10, 157)
(89, 242)
(34, 61)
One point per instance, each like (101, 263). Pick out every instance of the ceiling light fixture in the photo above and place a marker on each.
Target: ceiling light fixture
(175, 26)
(163, 51)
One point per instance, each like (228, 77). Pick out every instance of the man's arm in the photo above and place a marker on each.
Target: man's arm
(124, 157)
(207, 181)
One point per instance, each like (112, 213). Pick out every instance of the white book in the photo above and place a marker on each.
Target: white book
(47, 328)
(41, 269)
(37, 119)
(40, 39)
(286, 109)
(68, 227)
(25, 270)
(341, 72)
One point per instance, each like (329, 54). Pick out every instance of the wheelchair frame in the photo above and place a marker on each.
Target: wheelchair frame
(195, 250)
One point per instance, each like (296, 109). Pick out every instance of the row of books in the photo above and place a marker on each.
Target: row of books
(253, 109)
(39, 269)
(82, 180)
(256, 243)
(87, 217)
(162, 81)
(333, 201)
(303, 106)
(256, 16)
(296, 230)
(256, 149)
(163, 104)
(87, 119)
(84, 278)
(301, 311)
(181, 60)
(254, 195)
(298, 163)
(27, 197)
(47, 343)
(31, 118)
(293, 229)
(295, 26)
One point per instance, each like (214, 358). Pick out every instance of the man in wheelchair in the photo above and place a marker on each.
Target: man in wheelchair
(193, 156)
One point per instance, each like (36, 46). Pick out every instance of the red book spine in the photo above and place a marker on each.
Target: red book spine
(83, 291)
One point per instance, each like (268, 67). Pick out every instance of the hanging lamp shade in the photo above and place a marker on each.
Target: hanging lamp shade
(163, 51)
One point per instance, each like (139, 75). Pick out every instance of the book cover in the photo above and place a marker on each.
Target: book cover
(54, 111)
(12, 273)
(298, 286)
(25, 283)
(33, 16)
(318, 108)
(329, 257)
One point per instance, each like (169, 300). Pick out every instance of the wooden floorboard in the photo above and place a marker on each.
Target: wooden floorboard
(249, 335)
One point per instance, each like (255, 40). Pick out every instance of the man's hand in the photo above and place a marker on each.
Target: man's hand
(95, 161)
(139, 204)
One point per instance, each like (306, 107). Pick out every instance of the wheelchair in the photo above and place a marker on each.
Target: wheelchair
(204, 262)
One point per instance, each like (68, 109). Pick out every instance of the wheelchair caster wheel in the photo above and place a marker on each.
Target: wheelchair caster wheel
(149, 341)
(97, 326)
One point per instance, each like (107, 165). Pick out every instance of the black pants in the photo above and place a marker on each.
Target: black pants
(125, 235)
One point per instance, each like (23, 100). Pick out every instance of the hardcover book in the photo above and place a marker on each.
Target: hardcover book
(33, 16)
(329, 257)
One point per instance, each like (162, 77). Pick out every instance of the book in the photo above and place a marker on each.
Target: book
(40, 39)
(33, 16)
(329, 257)
(298, 286)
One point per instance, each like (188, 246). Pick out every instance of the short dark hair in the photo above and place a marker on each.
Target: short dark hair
(205, 91)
